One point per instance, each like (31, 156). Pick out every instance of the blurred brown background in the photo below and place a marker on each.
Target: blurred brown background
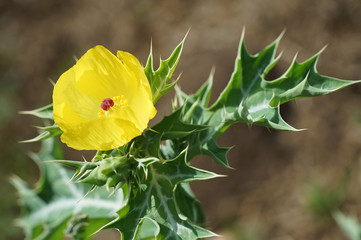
(284, 185)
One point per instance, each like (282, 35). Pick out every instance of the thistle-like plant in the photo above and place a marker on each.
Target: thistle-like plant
(147, 173)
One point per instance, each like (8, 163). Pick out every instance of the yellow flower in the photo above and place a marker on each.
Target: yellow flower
(103, 101)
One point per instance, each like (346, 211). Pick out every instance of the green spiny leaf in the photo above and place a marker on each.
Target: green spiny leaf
(48, 209)
(45, 112)
(194, 106)
(149, 229)
(159, 79)
(257, 101)
(156, 201)
(218, 154)
(203, 95)
(188, 205)
(172, 127)
(48, 132)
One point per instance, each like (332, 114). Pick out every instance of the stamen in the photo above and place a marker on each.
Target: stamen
(101, 113)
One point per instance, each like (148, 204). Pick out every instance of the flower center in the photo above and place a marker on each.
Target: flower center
(112, 104)
(106, 104)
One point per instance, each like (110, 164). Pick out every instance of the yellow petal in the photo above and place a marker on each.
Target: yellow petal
(141, 109)
(141, 105)
(134, 66)
(100, 134)
(65, 95)
(100, 68)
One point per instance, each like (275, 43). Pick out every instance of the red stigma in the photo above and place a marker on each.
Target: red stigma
(107, 104)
